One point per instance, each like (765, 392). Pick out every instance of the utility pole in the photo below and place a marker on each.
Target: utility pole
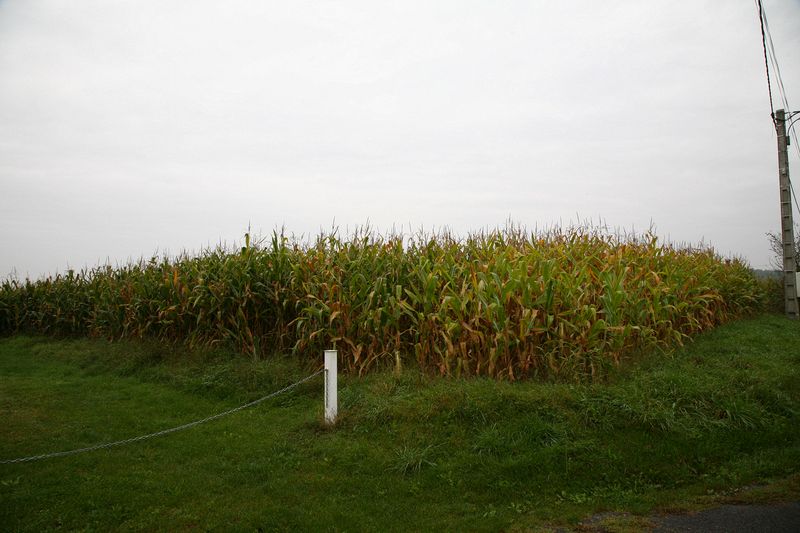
(787, 225)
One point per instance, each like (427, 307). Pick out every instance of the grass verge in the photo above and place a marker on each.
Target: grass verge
(408, 453)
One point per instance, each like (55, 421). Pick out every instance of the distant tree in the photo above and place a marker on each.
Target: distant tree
(776, 245)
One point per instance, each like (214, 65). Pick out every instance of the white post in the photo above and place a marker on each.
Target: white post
(331, 386)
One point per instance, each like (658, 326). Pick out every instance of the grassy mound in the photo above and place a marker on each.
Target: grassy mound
(409, 452)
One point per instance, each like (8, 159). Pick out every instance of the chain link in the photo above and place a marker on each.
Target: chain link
(163, 431)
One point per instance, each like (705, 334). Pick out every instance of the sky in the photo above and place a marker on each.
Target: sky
(129, 128)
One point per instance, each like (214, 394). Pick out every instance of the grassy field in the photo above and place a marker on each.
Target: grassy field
(412, 452)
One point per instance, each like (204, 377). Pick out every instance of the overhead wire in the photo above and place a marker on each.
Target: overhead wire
(766, 61)
(766, 36)
(778, 76)
(774, 57)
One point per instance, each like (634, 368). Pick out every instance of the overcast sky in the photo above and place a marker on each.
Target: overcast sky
(128, 127)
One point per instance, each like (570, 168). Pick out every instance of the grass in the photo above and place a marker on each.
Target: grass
(410, 452)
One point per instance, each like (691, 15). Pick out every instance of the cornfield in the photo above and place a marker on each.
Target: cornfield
(508, 304)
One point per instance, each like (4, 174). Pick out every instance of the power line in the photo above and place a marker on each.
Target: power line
(766, 36)
(774, 57)
(781, 87)
(791, 187)
(766, 61)
(796, 147)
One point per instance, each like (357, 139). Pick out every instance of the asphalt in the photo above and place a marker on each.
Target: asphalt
(780, 518)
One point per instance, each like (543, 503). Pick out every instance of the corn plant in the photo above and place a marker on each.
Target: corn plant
(508, 304)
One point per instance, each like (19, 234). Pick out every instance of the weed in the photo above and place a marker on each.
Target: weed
(411, 459)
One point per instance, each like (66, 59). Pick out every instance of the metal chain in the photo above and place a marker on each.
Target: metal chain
(163, 431)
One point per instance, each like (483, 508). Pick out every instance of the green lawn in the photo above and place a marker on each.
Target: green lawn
(409, 452)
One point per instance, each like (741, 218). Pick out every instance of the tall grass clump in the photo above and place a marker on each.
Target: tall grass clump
(510, 304)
